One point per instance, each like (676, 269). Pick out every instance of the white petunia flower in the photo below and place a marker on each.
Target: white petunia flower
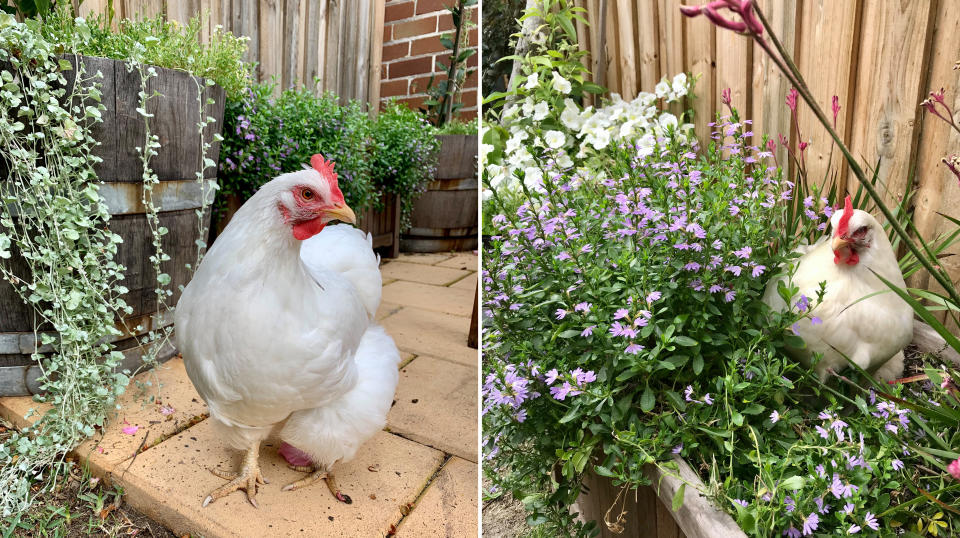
(646, 145)
(554, 139)
(680, 84)
(571, 117)
(540, 111)
(561, 84)
(533, 178)
(667, 120)
(485, 150)
(564, 160)
(532, 81)
(662, 89)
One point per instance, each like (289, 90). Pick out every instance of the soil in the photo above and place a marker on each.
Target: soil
(503, 517)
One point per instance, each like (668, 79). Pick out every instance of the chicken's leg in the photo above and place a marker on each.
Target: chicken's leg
(317, 473)
(248, 479)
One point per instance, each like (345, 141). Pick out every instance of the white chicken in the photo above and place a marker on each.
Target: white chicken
(276, 331)
(871, 332)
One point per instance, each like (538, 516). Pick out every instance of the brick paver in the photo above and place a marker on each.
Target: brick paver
(168, 479)
(448, 507)
(430, 406)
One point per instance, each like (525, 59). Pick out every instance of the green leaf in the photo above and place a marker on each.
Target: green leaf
(647, 400)
(678, 497)
(569, 333)
(685, 341)
(793, 483)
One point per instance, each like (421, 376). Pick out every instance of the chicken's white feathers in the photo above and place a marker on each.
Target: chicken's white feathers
(870, 332)
(263, 336)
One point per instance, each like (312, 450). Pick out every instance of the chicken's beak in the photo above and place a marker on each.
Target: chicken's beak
(341, 212)
(839, 243)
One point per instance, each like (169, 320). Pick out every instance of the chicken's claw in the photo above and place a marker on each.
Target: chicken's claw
(313, 477)
(248, 479)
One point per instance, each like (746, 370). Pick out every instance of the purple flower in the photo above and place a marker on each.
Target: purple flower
(854, 529)
(821, 507)
(791, 532)
(743, 253)
(716, 288)
(848, 508)
(654, 296)
(561, 392)
(621, 313)
(582, 307)
(692, 266)
(522, 415)
(758, 270)
(585, 377)
(707, 399)
(774, 417)
(735, 269)
(731, 295)
(734, 210)
(803, 303)
(588, 331)
(561, 313)
(633, 349)
(563, 256)
(516, 306)
(821, 472)
(810, 524)
(551, 376)
(896, 464)
(815, 320)
(741, 502)
(687, 392)
(677, 449)
(871, 521)
(790, 504)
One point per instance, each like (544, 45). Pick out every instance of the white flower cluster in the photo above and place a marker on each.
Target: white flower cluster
(584, 132)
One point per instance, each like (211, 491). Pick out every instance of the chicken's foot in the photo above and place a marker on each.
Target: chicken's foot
(247, 480)
(317, 474)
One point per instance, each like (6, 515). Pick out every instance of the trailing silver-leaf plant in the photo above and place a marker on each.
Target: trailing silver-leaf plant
(54, 217)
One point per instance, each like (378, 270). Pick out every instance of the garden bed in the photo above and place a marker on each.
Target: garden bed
(646, 511)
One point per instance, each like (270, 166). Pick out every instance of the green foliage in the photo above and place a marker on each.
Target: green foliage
(157, 42)
(458, 127)
(27, 8)
(403, 155)
(264, 137)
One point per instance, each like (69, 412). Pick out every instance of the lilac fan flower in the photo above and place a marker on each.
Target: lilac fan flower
(707, 399)
(551, 376)
(810, 524)
(561, 313)
(582, 307)
(654, 296)
(790, 504)
(735, 269)
(896, 464)
(774, 417)
(741, 502)
(803, 303)
(815, 320)
(692, 266)
(621, 313)
(791, 532)
(758, 270)
(561, 392)
(633, 349)
(716, 288)
(588, 331)
(677, 449)
(743, 253)
(854, 529)
(871, 521)
(730, 296)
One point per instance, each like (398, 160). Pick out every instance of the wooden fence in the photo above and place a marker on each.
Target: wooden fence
(337, 41)
(880, 58)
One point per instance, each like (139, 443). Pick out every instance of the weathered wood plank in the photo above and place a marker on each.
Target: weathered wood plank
(612, 52)
(627, 58)
(672, 50)
(894, 47)
(597, 16)
(734, 70)
(937, 189)
(272, 51)
(376, 55)
(700, 52)
(828, 30)
(648, 38)
(770, 115)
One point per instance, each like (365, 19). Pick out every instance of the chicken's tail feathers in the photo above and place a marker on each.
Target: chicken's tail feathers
(348, 251)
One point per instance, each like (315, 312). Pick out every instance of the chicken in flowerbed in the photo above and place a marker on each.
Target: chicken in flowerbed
(277, 333)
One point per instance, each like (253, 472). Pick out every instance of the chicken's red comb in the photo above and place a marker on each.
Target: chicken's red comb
(844, 227)
(325, 168)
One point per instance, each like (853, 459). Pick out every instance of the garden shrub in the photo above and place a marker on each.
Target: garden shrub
(266, 136)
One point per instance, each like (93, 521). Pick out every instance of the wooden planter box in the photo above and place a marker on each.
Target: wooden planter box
(648, 512)
(384, 225)
(178, 195)
(446, 217)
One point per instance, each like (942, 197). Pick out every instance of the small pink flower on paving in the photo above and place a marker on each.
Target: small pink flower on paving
(129, 429)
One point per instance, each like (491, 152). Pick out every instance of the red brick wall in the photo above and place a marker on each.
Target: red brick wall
(411, 49)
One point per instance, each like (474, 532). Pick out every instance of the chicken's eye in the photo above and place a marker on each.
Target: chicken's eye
(861, 231)
(307, 194)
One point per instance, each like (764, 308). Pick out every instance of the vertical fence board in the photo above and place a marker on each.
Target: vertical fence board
(732, 70)
(613, 46)
(627, 57)
(937, 189)
(647, 50)
(671, 43)
(376, 55)
(770, 115)
(700, 47)
(292, 59)
(828, 31)
(598, 46)
(894, 46)
(269, 26)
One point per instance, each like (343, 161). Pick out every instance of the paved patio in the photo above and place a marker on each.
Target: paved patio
(416, 478)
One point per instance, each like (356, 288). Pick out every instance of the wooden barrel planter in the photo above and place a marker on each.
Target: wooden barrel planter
(178, 195)
(445, 218)
(647, 509)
